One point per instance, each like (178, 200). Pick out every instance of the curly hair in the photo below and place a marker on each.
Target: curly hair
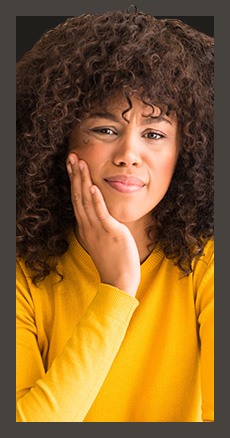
(86, 59)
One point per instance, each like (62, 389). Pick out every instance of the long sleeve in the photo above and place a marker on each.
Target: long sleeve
(88, 352)
(205, 311)
(67, 390)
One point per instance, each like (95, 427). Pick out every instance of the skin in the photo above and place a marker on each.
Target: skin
(119, 171)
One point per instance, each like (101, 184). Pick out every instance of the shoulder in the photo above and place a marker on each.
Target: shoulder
(206, 260)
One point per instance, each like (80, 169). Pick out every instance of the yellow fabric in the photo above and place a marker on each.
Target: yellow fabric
(88, 352)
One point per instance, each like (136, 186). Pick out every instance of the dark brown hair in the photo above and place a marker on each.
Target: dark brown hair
(87, 59)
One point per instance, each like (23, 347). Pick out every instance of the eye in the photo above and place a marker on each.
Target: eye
(104, 130)
(152, 135)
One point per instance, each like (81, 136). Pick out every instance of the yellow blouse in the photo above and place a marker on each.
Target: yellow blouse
(88, 352)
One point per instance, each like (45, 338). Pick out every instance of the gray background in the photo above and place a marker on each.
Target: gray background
(9, 12)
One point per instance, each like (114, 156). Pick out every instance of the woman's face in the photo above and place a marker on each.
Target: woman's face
(131, 161)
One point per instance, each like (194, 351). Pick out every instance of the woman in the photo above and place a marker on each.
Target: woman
(115, 222)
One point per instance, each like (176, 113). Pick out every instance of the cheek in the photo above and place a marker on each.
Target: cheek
(169, 166)
(94, 156)
(85, 150)
(164, 166)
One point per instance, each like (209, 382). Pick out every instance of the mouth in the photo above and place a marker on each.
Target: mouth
(125, 184)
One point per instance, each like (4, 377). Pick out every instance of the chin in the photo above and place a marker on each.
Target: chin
(125, 216)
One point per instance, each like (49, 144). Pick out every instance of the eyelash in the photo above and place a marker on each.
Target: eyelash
(104, 130)
(160, 136)
(101, 130)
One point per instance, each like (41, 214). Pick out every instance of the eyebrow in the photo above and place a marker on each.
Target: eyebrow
(115, 118)
(101, 115)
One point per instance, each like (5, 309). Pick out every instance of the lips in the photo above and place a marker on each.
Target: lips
(125, 184)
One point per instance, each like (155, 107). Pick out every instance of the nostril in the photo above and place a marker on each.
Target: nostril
(124, 164)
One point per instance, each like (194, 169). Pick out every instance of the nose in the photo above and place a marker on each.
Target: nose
(127, 151)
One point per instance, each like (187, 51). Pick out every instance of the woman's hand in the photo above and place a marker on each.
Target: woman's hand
(109, 242)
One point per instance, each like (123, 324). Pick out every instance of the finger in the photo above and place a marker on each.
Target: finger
(87, 201)
(72, 163)
(76, 189)
(108, 222)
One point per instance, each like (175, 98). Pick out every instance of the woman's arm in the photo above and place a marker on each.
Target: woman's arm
(204, 285)
(109, 242)
(67, 390)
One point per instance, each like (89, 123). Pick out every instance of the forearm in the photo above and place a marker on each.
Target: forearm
(66, 392)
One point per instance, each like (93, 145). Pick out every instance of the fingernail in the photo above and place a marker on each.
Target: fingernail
(69, 168)
(81, 165)
(71, 159)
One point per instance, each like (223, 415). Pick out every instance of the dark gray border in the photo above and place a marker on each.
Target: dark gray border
(8, 36)
(175, 7)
